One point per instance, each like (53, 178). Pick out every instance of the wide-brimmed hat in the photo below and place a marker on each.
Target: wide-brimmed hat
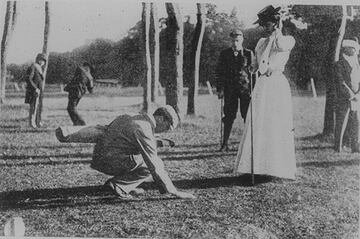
(169, 113)
(268, 14)
(354, 43)
(40, 56)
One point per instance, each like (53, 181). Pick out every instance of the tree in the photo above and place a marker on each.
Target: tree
(9, 26)
(146, 36)
(195, 59)
(156, 62)
(322, 41)
(329, 116)
(61, 68)
(45, 51)
(175, 46)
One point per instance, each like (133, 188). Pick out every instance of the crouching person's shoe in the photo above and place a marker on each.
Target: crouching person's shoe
(116, 190)
(137, 192)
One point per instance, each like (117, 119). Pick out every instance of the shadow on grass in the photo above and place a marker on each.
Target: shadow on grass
(24, 160)
(62, 146)
(19, 160)
(215, 145)
(314, 147)
(94, 195)
(319, 137)
(34, 157)
(328, 164)
(9, 127)
(26, 130)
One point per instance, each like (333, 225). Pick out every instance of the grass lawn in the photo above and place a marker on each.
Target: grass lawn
(51, 186)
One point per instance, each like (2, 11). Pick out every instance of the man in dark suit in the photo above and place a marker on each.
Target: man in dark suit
(348, 96)
(233, 82)
(81, 81)
(34, 81)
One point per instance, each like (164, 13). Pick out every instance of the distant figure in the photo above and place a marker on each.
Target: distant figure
(128, 152)
(269, 130)
(81, 81)
(34, 81)
(348, 96)
(232, 82)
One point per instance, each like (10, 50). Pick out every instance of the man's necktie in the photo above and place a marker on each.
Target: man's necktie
(236, 53)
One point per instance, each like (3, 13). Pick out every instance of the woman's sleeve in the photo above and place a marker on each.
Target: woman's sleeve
(147, 144)
(284, 43)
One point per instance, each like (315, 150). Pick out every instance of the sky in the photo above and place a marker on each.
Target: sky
(75, 22)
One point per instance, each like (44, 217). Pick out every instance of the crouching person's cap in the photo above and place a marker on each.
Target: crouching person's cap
(169, 113)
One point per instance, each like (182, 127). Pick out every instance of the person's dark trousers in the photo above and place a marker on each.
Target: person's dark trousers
(353, 125)
(40, 109)
(231, 106)
(341, 110)
(34, 114)
(72, 109)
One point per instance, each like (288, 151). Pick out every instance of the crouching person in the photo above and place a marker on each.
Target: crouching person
(127, 151)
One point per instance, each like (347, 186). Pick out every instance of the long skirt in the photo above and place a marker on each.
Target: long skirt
(271, 125)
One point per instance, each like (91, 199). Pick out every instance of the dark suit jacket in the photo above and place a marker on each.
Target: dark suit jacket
(229, 68)
(34, 80)
(79, 83)
(342, 74)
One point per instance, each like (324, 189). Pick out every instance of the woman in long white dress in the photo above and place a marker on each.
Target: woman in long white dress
(271, 116)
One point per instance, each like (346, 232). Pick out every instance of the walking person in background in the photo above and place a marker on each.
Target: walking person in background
(233, 82)
(268, 138)
(34, 81)
(82, 80)
(348, 96)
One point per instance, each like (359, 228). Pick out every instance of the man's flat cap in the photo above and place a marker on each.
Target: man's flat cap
(236, 32)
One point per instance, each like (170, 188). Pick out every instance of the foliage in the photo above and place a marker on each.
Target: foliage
(123, 60)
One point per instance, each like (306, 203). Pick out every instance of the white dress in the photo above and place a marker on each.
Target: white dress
(273, 132)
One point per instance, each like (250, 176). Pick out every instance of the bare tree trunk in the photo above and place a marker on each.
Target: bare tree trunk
(9, 25)
(147, 83)
(45, 51)
(341, 33)
(329, 116)
(14, 17)
(195, 55)
(175, 31)
(155, 85)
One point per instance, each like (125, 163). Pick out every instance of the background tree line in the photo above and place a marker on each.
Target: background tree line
(123, 59)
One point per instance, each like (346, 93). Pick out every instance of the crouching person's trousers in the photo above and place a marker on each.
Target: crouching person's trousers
(129, 171)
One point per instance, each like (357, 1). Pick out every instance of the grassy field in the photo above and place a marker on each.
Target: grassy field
(51, 185)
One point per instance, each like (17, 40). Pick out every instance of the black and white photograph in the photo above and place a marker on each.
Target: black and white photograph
(180, 119)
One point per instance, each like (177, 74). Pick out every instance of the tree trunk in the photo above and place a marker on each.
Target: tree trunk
(341, 33)
(156, 69)
(175, 32)
(9, 25)
(147, 83)
(195, 60)
(329, 116)
(45, 51)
